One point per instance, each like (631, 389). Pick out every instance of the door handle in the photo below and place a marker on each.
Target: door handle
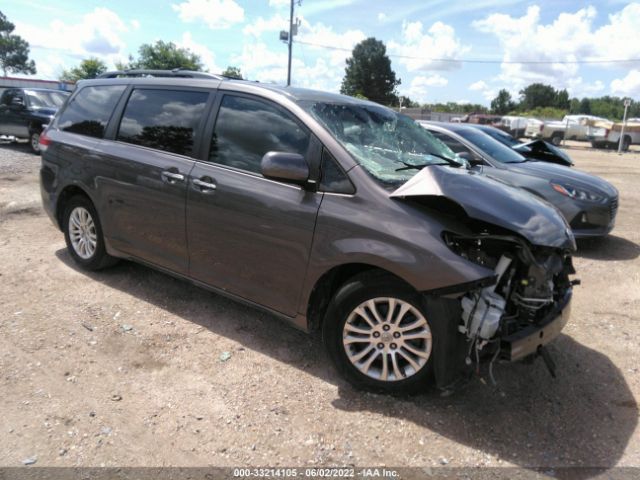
(204, 186)
(172, 177)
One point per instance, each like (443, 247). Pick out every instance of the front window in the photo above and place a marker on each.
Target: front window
(490, 146)
(44, 99)
(384, 143)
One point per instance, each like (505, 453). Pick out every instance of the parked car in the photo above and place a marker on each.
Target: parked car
(534, 128)
(606, 134)
(588, 203)
(514, 126)
(571, 127)
(535, 150)
(332, 213)
(24, 111)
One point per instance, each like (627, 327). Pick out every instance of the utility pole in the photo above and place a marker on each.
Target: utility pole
(627, 102)
(290, 44)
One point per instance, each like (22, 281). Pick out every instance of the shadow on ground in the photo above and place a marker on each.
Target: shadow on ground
(609, 247)
(585, 417)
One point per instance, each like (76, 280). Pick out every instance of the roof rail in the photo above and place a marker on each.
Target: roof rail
(176, 72)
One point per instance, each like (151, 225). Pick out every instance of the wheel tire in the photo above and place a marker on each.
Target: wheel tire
(94, 258)
(626, 143)
(351, 296)
(556, 139)
(34, 142)
(596, 145)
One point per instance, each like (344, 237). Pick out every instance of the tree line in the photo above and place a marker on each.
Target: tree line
(368, 74)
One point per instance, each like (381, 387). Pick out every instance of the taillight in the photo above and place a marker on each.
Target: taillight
(606, 132)
(541, 127)
(44, 141)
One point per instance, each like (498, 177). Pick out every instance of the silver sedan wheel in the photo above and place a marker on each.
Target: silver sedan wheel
(387, 339)
(82, 233)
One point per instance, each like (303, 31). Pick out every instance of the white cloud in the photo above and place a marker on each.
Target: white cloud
(382, 17)
(419, 87)
(488, 92)
(135, 24)
(312, 67)
(274, 24)
(206, 55)
(214, 13)
(97, 34)
(479, 85)
(628, 86)
(440, 42)
(568, 38)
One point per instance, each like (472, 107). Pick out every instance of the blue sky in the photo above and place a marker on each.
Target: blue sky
(244, 33)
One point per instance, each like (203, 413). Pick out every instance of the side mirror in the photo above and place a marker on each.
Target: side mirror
(287, 167)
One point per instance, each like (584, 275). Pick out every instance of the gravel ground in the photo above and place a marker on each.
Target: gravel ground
(130, 367)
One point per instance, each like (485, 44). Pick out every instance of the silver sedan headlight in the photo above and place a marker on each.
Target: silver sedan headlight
(576, 193)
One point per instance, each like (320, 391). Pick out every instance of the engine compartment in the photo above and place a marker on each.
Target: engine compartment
(530, 283)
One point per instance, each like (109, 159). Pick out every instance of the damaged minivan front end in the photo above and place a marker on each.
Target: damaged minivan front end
(527, 245)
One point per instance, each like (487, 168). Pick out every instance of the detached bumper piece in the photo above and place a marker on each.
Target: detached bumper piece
(531, 339)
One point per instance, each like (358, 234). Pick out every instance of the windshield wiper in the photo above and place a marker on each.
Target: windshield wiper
(420, 166)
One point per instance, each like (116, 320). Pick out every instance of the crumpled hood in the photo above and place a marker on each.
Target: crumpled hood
(550, 171)
(544, 151)
(488, 200)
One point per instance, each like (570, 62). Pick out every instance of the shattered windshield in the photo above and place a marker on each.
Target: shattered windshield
(390, 146)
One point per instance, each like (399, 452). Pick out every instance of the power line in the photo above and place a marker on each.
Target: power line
(477, 60)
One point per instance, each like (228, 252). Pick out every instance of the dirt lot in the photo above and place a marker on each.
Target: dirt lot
(123, 367)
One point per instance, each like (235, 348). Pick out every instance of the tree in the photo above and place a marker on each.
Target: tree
(88, 68)
(406, 102)
(503, 103)
(538, 95)
(165, 56)
(14, 50)
(233, 72)
(369, 73)
(585, 106)
(562, 99)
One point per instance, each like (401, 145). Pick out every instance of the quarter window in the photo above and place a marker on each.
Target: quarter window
(89, 111)
(246, 129)
(333, 178)
(163, 119)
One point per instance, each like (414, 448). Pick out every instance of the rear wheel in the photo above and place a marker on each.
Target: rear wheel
(83, 234)
(34, 142)
(556, 139)
(378, 335)
(626, 143)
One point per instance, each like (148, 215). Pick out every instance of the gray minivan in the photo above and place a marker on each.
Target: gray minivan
(333, 213)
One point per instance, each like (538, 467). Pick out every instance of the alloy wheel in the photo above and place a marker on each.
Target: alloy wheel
(82, 233)
(387, 339)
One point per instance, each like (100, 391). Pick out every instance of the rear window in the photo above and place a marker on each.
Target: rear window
(89, 111)
(163, 119)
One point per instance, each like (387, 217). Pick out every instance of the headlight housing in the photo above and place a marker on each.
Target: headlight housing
(576, 193)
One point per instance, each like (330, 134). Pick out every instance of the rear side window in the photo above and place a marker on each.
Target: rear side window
(163, 119)
(246, 129)
(89, 111)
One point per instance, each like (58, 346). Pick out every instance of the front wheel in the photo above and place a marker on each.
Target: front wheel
(378, 335)
(83, 234)
(34, 142)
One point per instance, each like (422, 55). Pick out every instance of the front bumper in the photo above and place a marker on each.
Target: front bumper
(594, 220)
(528, 340)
